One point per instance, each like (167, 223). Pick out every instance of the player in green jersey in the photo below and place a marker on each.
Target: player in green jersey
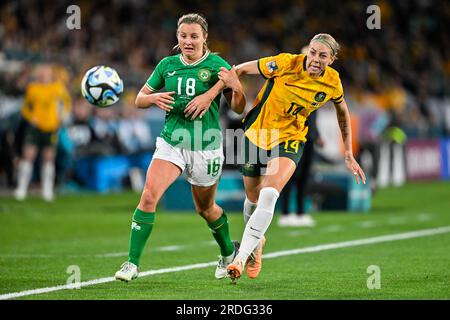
(191, 141)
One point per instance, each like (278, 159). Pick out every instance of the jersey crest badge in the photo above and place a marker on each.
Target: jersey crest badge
(320, 96)
(204, 75)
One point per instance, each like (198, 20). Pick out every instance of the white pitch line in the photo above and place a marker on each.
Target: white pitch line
(354, 243)
(332, 228)
(26, 256)
(165, 248)
(111, 255)
(330, 246)
(296, 233)
(125, 253)
(396, 220)
(424, 217)
(169, 248)
(367, 224)
(105, 255)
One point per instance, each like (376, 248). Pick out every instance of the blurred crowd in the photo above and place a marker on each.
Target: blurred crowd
(394, 76)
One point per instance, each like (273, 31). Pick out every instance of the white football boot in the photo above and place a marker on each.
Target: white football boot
(221, 270)
(128, 271)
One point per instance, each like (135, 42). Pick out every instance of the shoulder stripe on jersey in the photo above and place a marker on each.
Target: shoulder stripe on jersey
(337, 99)
(259, 69)
(254, 113)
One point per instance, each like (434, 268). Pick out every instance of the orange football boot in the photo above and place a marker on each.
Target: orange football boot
(235, 269)
(254, 261)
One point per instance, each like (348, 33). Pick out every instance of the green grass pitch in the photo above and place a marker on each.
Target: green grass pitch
(39, 241)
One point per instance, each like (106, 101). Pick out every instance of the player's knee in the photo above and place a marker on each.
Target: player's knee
(149, 201)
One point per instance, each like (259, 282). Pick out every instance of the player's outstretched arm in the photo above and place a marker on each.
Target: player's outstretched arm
(343, 117)
(249, 67)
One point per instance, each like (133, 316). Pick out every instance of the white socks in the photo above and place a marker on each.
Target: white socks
(24, 171)
(249, 207)
(259, 221)
(48, 180)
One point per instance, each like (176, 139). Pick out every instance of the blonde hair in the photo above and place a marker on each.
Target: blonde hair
(194, 18)
(329, 41)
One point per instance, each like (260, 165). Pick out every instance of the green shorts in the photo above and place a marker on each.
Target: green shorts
(41, 139)
(256, 159)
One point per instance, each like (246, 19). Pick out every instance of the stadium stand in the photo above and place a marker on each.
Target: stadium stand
(396, 77)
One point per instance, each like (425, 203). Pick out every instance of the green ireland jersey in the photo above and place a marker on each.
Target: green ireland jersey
(188, 81)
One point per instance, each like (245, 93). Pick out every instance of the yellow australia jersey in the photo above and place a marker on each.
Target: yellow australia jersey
(287, 98)
(45, 105)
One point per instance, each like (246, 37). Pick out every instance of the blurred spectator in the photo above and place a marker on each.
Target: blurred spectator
(46, 105)
(105, 124)
(373, 122)
(6, 154)
(80, 131)
(134, 133)
(135, 137)
(76, 140)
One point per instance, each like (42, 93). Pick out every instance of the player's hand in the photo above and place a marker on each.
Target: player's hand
(355, 169)
(198, 106)
(229, 77)
(164, 100)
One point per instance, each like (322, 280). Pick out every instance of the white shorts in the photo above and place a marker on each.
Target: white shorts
(201, 168)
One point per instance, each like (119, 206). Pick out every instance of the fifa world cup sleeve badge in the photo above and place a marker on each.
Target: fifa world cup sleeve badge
(272, 66)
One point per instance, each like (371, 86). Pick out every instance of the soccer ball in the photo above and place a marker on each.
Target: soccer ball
(101, 86)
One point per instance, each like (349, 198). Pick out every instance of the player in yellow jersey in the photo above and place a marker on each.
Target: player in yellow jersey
(275, 133)
(46, 104)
